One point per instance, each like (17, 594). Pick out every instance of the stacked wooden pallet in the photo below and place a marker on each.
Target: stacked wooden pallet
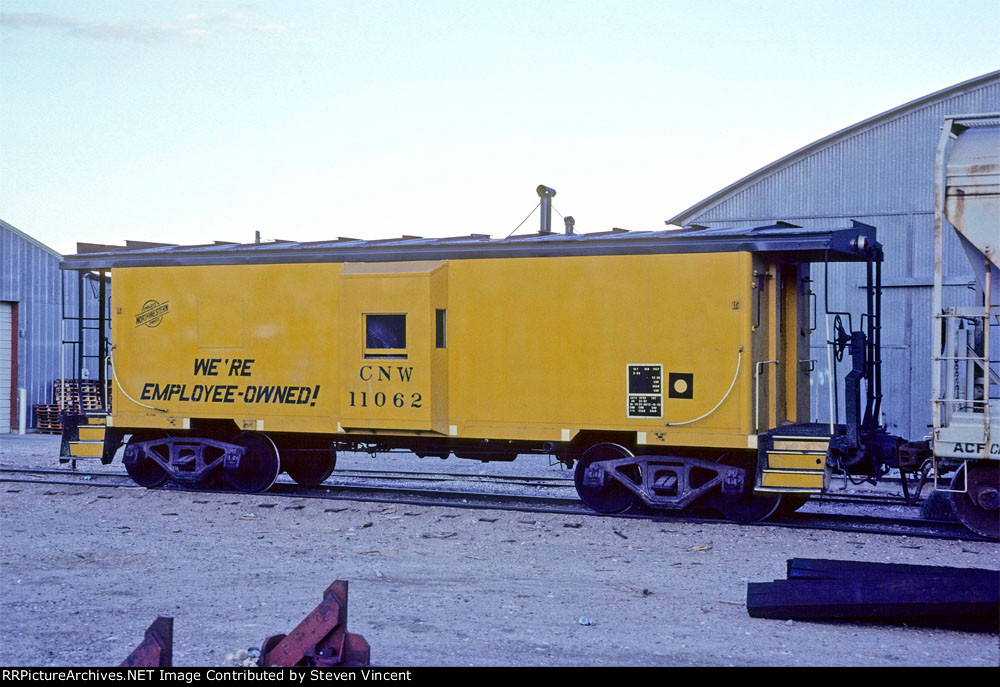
(47, 419)
(76, 395)
(71, 396)
(961, 598)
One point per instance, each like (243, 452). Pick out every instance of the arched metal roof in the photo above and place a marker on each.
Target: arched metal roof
(827, 141)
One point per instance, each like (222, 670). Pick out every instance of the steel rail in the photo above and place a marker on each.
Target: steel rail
(829, 497)
(291, 484)
(928, 529)
(390, 474)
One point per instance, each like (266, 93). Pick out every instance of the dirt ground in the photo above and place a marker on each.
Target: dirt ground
(85, 570)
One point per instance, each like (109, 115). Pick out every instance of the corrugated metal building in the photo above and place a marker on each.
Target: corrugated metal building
(881, 172)
(31, 324)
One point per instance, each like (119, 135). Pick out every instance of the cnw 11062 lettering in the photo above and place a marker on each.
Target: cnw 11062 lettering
(380, 399)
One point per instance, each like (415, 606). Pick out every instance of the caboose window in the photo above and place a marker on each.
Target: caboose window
(385, 336)
(440, 337)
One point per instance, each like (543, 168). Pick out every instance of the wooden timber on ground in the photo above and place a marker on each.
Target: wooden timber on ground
(935, 596)
(824, 569)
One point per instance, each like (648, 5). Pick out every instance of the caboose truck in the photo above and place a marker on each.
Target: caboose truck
(671, 367)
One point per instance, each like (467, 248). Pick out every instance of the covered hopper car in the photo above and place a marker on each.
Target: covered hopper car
(669, 367)
(966, 336)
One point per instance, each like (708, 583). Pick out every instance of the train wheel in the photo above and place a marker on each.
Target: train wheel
(791, 503)
(978, 506)
(146, 472)
(311, 469)
(749, 506)
(259, 466)
(612, 496)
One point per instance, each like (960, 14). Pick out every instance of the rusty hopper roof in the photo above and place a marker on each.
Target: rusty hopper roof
(794, 243)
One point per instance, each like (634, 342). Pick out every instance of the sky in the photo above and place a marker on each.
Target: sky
(189, 121)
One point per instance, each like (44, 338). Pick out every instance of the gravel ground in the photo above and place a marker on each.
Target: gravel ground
(85, 571)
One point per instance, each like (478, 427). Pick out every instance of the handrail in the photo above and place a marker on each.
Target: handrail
(739, 360)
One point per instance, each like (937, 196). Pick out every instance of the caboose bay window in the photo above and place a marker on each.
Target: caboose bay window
(385, 336)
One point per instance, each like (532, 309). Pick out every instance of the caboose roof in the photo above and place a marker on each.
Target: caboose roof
(791, 242)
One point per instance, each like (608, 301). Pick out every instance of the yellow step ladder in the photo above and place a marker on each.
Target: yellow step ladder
(795, 464)
(84, 438)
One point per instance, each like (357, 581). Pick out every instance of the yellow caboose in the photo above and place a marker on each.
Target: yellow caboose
(669, 366)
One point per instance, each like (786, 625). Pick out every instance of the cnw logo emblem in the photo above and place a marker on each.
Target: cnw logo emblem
(152, 313)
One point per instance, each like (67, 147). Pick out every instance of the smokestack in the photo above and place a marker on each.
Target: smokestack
(546, 194)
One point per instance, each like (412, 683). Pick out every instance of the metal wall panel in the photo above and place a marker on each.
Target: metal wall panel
(6, 349)
(30, 276)
(881, 174)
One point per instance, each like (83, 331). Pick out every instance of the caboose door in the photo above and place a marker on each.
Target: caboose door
(794, 326)
(781, 343)
(394, 373)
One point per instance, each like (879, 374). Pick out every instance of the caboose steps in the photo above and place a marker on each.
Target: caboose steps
(87, 437)
(92, 433)
(805, 481)
(86, 449)
(793, 460)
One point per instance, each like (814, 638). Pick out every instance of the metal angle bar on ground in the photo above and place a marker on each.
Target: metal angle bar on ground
(156, 649)
(321, 639)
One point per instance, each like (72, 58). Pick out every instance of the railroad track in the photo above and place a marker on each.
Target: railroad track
(568, 483)
(478, 500)
(555, 483)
